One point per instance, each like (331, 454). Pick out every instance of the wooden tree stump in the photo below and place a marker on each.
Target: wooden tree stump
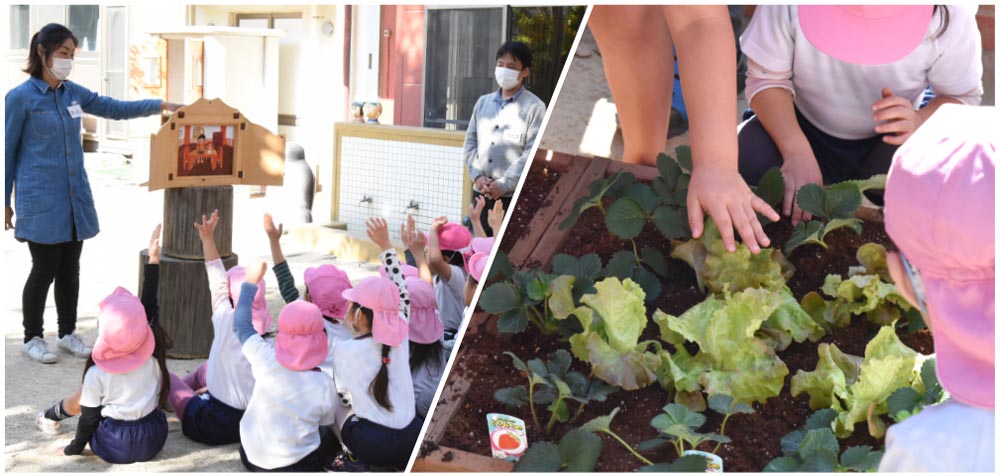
(185, 304)
(184, 206)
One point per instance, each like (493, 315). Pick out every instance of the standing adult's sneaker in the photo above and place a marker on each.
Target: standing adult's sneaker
(37, 350)
(74, 345)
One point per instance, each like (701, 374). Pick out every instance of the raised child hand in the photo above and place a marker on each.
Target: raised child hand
(495, 216)
(206, 229)
(378, 232)
(438, 223)
(255, 272)
(272, 233)
(477, 208)
(154, 246)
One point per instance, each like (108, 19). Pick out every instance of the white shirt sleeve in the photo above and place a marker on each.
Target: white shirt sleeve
(958, 69)
(259, 353)
(330, 403)
(769, 39)
(92, 393)
(218, 284)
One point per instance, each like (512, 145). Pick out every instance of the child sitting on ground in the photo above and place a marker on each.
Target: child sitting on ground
(939, 211)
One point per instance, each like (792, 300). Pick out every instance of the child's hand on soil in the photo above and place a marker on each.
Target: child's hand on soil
(798, 171)
(154, 246)
(206, 229)
(378, 232)
(255, 272)
(895, 117)
(273, 233)
(722, 193)
(495, 216)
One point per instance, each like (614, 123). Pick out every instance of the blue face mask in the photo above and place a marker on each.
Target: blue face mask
(915, 282)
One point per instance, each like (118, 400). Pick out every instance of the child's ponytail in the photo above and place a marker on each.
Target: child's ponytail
(379, 388)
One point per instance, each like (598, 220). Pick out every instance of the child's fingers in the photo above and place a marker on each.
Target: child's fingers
(889, 102)
(901, 125)
(696, 216)
(893, 112)
(789, 198)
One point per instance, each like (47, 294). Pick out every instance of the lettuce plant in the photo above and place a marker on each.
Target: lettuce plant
(909, 401)
(814, 448)
(736, 336)
(858, 388)
(559, 386)
(613, 319)
(577, 451)
(679, 426)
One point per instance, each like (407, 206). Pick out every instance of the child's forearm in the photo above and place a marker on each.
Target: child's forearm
(420, 258)
(209, 250)
(776, 111)
(243, 321)
(286, 282)
(477, 227)
(925, 112)
(276, 255)
(90, 419)
(150, 287)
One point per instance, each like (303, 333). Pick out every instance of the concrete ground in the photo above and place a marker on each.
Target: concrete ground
(128, 213)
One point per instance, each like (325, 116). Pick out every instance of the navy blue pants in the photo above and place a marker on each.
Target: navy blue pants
(126, 442)
(379, 445)
(209, 421)
(312, 463)
(838, 159)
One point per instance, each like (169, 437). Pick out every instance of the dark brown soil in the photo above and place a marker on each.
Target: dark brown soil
(540, 182)
(756, 437)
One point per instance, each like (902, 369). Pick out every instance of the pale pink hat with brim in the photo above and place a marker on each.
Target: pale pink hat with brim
(453, 237)
(865, 34)
(425, 324)
(301, 343)
(261, 317)
(408, 271)
(125, 341)
(382, 297)
(325, 284)
(476, 264)
(480, 244)
(939, 211)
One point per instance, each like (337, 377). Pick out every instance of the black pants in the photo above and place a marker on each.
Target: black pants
(59, 263)
(311, 463)
(489, 206)
(838, 159)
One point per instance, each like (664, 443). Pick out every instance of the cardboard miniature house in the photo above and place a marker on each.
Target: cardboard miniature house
(209, 143)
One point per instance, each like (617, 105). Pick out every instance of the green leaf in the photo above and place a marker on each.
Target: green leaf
(558, 363)
(791, 442)
(928, 375)
(842, 200)
(783, 464)
(579, 450)
(499, 298)
(684, 464)
(545, 395)
(626, 218)
(622, 265)
(651, 444)
(726, 405)
(903, 401)
(671, 222)
(518, 363)
(501, 268)
(806, 233)
(861, 458)
(684, 158)
(822, 418)
(873, 257)
(561, 301)
(620, 305)
(771, 187)
(538, 288)
(816, 441)
(578, 384)
(812, 198)
(596, 190)
(789, 322)
(585, 267)
(654, 258)
(599, 391)
(541, 457)
(560, 409)
(824, 461)
(649, 282)
(601, 423)
(873, 182)
(643, 195)
(513, 322)
(513, 397)
(537, 366)
(851, 222)
(694, 253)
(677, 415)
(827, 384)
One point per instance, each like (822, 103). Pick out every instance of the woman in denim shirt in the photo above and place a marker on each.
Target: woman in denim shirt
(44, 158)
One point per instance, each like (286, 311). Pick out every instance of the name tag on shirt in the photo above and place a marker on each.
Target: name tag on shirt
(512, 136)
(75, 111)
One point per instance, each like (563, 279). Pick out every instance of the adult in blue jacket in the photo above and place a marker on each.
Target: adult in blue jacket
(44, 159)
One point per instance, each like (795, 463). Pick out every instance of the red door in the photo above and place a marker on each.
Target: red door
(401, 68)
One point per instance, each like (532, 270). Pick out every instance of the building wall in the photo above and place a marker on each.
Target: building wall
(402, 75)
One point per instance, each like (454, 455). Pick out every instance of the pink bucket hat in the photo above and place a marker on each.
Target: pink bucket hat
(325, 284)
(939, 205)
(482, 245)
(425, 325)
(261, 317)
(382, 297)
(408, 271)
(125, 341)
(865, 34)
(476, 264)
(301, 343)
(453, 237)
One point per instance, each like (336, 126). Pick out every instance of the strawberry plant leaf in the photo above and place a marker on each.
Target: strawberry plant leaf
(861, 458)
(513, 321)
(541, 457)
(649, 282)
(822, 418)
(726, 405)
(654, 258)
(873, 182)
(558, 363)
(622, 265)
(513, 397)
(643, 195)
(671, 222)
(818, 441)
(586, 267)
(824, 461)
(596, 191)
(842, 200)
(560, 408)
(806, 233)
(684, 464)
(812, 198)
(791, 442)
(579, 450)
(928, 375)
(499, 298)
(626, 218)
(771, 187)
(651, 444)
(783, 464)
(851, 222)
(502, 267)
(903, 401)
(601, 423)
(677, 415)
(684, 158)
(545, 395)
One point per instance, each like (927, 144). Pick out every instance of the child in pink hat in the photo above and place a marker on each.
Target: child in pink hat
(125, 379)
(427, 353)
(475, 265)
(837, 88)
(292, 398)
(212, 416)
(445, 244)
(377, 421)
(324, 286)
(939, 211)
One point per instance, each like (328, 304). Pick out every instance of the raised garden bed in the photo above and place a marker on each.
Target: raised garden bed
(534, 238)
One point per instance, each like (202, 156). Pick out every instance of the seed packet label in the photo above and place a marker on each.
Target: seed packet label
(508, 439)
(713, 463)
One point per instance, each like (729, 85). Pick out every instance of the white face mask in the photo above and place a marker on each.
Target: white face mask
(507, 78)
(61, 68)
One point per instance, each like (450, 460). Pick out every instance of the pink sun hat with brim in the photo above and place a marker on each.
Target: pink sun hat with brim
(408, 271)
(939, 211)
(476, 264)
(382, 297)
(481, 244)
(453, 237)
(301, 343)
(865, 34)
(325, 284)
(425, 324)
(125, 341)
(261, 316)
